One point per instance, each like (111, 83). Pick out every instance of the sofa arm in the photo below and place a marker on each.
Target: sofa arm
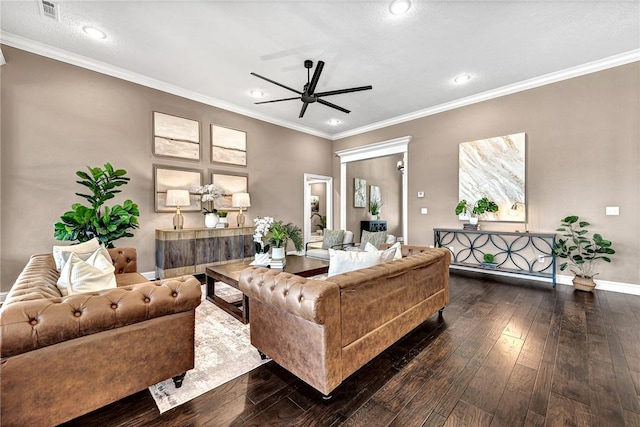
(29, 325)
(313, 300)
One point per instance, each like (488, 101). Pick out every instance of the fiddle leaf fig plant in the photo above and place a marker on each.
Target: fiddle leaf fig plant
(107, 224)
(579, 249)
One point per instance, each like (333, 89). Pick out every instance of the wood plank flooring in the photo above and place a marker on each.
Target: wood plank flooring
(508, 352)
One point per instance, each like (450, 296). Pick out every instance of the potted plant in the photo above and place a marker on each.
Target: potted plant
(279, 236)
(222, 217)
(478, 208)
(107, 224)
(209, 194)
(374, 208)
(489, 260)
(581, 251)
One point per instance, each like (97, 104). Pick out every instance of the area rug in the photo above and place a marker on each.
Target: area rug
(223, 352)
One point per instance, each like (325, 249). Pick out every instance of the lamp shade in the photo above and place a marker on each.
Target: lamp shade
(240, 200)
(178, 198)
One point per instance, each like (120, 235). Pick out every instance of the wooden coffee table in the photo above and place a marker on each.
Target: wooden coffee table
(230, 274)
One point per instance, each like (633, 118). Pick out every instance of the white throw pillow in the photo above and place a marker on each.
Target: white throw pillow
(398, 247)
(388, 254)
(84, 250)
(94, 274)
(343, 261)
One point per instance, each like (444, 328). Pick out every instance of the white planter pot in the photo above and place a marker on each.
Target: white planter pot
(222, 220)
(473, 220)
(277, 253)
(210, 220)
(262, 259)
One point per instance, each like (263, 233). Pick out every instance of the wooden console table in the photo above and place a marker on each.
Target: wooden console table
(191, 250)
(517, 253)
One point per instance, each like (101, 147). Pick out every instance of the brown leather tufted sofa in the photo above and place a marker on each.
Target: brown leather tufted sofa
(324, 331)
(62, 357)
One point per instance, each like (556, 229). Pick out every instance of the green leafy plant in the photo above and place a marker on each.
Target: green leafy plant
(489, 258)
(223, 214)
(579, 249)
(478, 208)
(83, 223)
(374, 207)
(280, 233)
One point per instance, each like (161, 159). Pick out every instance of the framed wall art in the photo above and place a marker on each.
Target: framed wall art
(228, 146)
(175, 137)
(374, 194)
(230, 183)
(495, 168)
(359, 193)
(173, 178)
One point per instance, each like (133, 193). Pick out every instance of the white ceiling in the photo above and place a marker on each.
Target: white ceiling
(205, 50)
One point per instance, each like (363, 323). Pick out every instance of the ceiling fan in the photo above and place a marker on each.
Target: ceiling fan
(308, 96)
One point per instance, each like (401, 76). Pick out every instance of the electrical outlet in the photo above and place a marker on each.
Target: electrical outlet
(423, 211)
(612, 210)
(420, 194)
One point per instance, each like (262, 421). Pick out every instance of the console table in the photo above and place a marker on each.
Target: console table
(374, 225)
(517, 253)
(191, 250)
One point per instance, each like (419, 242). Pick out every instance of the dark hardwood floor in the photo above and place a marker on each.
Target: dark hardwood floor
(508, 352)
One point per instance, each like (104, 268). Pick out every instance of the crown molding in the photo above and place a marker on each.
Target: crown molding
(103, 68)
(120, 73)
(569, 73)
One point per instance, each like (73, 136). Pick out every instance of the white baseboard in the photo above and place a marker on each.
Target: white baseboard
(602, 285)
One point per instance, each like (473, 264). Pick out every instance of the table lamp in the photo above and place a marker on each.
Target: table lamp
(242, 201)
(178, 198)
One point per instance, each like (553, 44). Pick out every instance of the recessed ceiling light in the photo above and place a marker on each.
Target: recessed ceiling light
(256, 93)
(334, 122)
(398, 7)
(94, 33)
(462, 78)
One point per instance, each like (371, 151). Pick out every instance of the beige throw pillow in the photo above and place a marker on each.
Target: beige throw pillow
(376, 238)
(94, 274)
(332, 238)
(343, 261)
(84, 250)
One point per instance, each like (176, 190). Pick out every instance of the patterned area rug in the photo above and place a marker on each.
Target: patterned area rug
(223, 352)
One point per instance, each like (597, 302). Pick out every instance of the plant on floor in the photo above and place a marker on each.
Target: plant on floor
(580, 250)
(280, 234)
(107, 224)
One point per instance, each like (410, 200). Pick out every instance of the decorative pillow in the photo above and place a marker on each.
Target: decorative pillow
(332, 238)
(398, 247)
(376, 238)
(84, 250)
(348, 237)
(343, 261)
(94, 274)
(386, 255)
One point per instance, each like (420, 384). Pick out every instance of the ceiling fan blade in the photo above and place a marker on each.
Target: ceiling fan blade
(328, 104)
(304, 108)
(276, 83)
(277, 100)
(315, 78)
(339, 91)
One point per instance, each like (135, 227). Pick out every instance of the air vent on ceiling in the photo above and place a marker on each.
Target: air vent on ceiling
(50, 9)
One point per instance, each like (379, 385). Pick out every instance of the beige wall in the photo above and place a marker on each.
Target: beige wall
(381, 171)
(58, 118)
(583, 139)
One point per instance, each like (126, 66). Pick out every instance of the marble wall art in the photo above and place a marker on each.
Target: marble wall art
(228, 146)
(359, 193)
(495, 168)
(175, 137)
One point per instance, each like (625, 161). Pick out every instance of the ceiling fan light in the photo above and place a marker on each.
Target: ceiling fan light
(256, 93)
(94, 33)
(398, 7)
(462, 78)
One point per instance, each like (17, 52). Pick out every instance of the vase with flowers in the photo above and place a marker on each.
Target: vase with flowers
(209, 193)
(260, 236)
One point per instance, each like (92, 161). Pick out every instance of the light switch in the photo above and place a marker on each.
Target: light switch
(420, 194)
(423, 211)
(612, 210)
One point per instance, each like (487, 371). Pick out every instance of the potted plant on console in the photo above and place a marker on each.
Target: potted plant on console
(581, 251)
(105, 223)
(472, 210)
(279, 236)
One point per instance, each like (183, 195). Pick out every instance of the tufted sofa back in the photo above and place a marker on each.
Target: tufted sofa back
(124, 260)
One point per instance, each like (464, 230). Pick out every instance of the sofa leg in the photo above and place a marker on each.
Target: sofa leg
(177, 380)
(262, 355)
(327, 397)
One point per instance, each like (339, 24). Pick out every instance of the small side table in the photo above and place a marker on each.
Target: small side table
(374, 225)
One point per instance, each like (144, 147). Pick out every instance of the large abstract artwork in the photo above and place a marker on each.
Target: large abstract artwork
(495, 168)
(228, 146)
(176, 137)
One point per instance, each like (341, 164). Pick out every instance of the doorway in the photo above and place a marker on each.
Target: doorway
(318, 192)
